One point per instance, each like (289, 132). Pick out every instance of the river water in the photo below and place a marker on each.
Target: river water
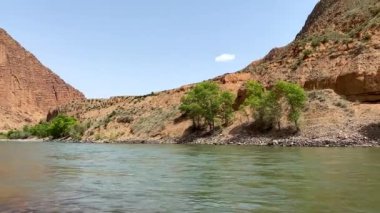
(59, 177)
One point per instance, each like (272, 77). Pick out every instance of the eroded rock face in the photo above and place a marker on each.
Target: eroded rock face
(359, 86)
(28, 90)
(338, 48)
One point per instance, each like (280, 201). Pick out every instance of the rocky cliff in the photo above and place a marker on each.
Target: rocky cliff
(336, 56)
(338, 48)
(28, 90)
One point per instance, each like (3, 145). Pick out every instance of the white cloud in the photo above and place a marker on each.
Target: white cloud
(225, 58)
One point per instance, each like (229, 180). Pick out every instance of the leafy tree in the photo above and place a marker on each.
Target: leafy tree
(262, 103)
(269, 106)
(190, 104)
(255, 94)
(205, 103)
(295, 97)
(227, 100)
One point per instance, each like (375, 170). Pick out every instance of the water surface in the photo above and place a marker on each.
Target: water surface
(56, 177)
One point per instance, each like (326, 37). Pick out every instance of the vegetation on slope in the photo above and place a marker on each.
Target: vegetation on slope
(61, 126)
(268, 106)
(207, 105)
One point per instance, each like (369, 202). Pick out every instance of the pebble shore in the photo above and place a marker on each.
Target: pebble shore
(259, 141)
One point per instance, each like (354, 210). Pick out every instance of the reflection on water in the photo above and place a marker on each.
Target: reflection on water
(175, 178)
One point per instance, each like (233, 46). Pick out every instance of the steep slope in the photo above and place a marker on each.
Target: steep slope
(337, 51)
(338, 48)
(28, 90)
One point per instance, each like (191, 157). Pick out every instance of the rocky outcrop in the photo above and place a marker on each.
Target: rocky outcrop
(359, 86)
(28, 90)
(338, 48)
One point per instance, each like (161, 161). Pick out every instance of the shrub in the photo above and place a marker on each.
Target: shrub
(77, 131)
(124, 119)
(374, 10)
(154, 122)
(18, 134)
(3, 135)
(306, 53)
(317, 95)
(60, 127)
(206, 103)
(296, 64)
(40, 130)
(366, 37)
(341, 104)
(315, 43)
(317, 40)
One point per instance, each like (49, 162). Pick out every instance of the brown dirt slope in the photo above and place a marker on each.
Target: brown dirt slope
(336, 52)
(28, 90)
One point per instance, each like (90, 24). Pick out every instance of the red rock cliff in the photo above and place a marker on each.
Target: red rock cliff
(28, 90)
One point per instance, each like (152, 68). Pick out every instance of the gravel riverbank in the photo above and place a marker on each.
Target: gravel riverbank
(297, 141)
(256, 141)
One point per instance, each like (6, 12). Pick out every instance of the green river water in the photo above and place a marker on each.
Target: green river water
(61, 177)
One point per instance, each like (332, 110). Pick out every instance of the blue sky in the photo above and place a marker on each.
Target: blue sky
(131, 47)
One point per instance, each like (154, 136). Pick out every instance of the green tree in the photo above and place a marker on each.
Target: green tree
(268, 106)
(205, 103)
(262, 104)
(295, 97)
(255, 93)
(190, 104)
(227, 100)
